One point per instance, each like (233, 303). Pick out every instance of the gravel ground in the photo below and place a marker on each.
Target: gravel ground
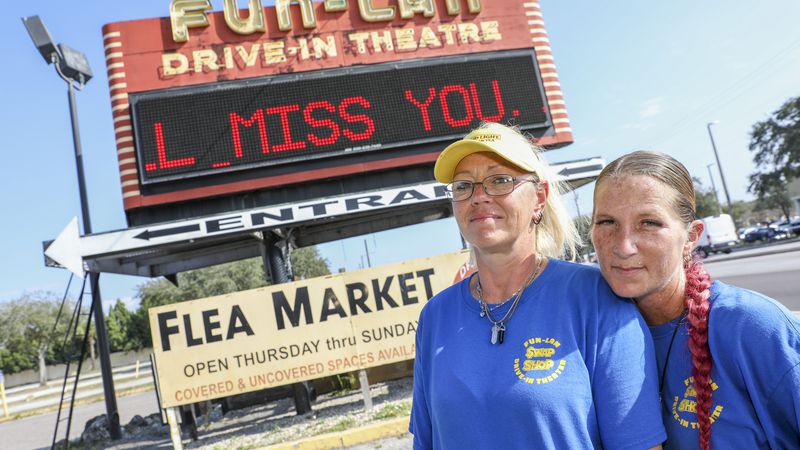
(276, 422)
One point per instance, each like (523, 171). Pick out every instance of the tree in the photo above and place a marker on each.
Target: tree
(776, 144)
(121, 326)
(584, 225)
(705, 200)
(775, 197)
(27, 336)
(307, 263)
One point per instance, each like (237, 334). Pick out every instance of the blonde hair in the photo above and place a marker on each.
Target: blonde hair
(556, 234)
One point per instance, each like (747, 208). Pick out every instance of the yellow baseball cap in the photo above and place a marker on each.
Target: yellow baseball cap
(492, 138)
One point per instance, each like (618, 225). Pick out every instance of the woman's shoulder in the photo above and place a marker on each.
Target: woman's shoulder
(445, 298)
(587, 282)
(752, 332)
(569, 269)
(742, 316)
(744, 306)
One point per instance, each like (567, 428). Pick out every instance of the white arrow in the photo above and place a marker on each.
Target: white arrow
(66, 249)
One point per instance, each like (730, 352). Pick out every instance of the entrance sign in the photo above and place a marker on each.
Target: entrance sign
(71, 250)
(212, 106)
(283, 334)
(69, 246)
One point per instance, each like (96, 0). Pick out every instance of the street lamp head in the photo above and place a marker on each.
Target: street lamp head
(74, 64)
(713, 122)
(41, 38)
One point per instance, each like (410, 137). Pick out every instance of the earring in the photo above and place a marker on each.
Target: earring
(687, 258)
(538, 217)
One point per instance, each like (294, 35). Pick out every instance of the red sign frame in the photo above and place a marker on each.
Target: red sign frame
(136, 62)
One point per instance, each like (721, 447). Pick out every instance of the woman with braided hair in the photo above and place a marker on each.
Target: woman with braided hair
(728, 358)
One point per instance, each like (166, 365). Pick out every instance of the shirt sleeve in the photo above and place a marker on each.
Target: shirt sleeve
(420, 424)
(625, 380)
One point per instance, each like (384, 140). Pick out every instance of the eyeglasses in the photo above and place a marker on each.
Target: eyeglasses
(494, 185)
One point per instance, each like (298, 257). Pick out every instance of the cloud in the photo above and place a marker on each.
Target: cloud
(651, 107)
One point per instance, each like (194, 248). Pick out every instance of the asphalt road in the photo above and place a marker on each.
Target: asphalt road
(36, 432)
(775, 275)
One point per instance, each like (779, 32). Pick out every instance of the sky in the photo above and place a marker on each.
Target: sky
(635, 75)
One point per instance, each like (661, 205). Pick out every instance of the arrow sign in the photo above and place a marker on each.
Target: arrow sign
(147, 234)
(65, 250)
(571, 169)
(70, 250)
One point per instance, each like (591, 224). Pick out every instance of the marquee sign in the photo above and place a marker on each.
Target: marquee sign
(201, 131)
(210, 104)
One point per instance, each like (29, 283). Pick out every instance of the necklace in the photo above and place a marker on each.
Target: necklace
(498, 305)
(669, 352)
(498, 326)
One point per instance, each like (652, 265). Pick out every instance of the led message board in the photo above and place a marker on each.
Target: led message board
(204, 130)
(215, 105)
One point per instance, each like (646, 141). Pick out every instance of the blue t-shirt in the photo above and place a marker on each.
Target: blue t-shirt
(755, 374)
(576, 370)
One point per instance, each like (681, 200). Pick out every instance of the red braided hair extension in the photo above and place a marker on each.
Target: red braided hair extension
(696, 301)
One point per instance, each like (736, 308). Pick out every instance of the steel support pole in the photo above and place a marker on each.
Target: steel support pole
(94, 281)
(275, 255)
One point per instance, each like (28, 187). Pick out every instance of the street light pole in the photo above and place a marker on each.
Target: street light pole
(714, 188)
(719, 166)
(94, 282)
(73, 68)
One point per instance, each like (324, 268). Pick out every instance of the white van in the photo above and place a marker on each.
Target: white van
(719, 235)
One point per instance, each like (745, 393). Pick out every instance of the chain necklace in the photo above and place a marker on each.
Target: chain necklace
(499, 326)
(679, 325)
(494, 306)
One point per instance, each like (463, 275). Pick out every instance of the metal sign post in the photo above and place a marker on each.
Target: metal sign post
(3, 394)
(174, 428)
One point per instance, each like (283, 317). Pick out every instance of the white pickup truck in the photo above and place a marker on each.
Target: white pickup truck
(719, 235)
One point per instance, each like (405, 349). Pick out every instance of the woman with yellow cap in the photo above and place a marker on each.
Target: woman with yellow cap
(529, 352)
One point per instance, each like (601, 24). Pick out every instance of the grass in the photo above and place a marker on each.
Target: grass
(339, 427)
(394, 410)
(344, 384)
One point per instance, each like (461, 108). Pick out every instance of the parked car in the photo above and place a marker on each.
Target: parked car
(719, 235)
(790, 227)
(744, 231)
(764, 233)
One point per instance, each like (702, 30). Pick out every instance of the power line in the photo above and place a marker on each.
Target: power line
(726, 96)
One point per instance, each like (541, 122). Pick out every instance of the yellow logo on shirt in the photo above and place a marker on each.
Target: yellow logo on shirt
(684, 410)
(538, 365)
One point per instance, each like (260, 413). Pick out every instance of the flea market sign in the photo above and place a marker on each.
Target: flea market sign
(283, 334)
